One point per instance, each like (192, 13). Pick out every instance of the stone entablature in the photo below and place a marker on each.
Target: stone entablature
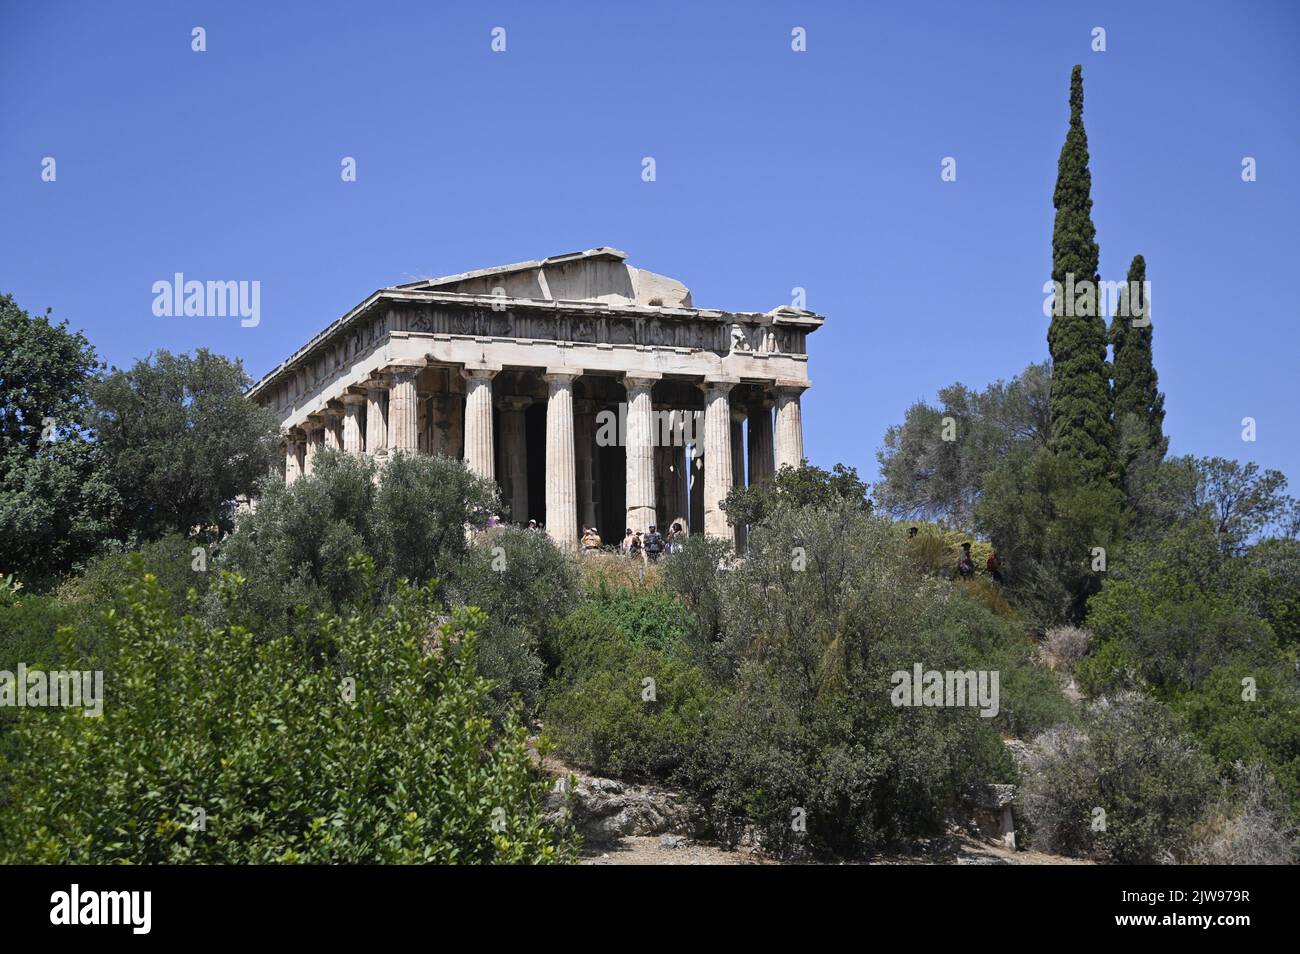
(412, 368)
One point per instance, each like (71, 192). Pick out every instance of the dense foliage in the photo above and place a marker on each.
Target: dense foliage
(220, 746)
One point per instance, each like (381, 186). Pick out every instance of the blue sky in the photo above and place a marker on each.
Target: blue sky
(775, 169)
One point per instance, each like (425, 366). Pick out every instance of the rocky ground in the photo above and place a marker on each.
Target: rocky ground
(625, 824)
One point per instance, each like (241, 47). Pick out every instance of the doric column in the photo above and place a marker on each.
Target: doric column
(584, 455)
(640, 451)
(696, 514)
(403, 415)
(315, 441)
(789, 425)
(717, 457)
(479, 453)
(293, 454)
(678, 502)
(333, 439)
(738, 463)
(354, 406)
(561, 474)
(761, 461)
(376, 419)
(514, 456)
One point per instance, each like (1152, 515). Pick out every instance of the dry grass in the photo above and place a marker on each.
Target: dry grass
(615, 571)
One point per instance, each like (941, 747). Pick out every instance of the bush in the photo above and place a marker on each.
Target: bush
(647, 617)
(602, 715)
(383, 754)
(294, 549)
(1064, 646)
(1261, 724)
(524, 583)
(1126, 787)
(1250, 826)
(825, 607)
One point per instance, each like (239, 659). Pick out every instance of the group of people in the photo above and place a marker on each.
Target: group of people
(966, 562)
(649, 546)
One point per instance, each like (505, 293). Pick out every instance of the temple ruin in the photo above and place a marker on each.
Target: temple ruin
(595, 393)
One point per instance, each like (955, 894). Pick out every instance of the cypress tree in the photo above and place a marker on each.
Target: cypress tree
(1081, 401)
(1135, 374)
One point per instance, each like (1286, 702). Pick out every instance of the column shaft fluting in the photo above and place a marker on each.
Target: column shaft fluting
(584, 438)
(761, 461)
(376, 422)
(292, 460)
(315, 439)
(717, 458)
(789, 427)
(479, 454)
(738, 464)
(403, 420)
(332, 437)
(640, 453)
(354, 405)
(561, 472)
(514, 456)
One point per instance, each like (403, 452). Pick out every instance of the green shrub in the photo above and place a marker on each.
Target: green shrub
(648, 617)
(602, 715)
(1125, 787)
(824, 609)
(382, 754)
(641, 718)
(1252, 723)
(524, 583)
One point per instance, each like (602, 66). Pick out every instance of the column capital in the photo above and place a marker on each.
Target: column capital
(514, 403)
(486, 373)
(641, 380)
(789, 386)
(353, 398)
(566, 375)
(377, 382)
(723, 385)
(402, 373)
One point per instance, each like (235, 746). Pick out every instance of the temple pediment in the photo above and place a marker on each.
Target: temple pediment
(596, 275)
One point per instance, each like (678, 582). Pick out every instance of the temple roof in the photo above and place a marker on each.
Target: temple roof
(596, 281)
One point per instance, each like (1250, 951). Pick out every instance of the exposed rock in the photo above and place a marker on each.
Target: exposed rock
(601, 808)
(991, 810)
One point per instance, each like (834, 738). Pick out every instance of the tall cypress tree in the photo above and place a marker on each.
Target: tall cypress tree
(1136, 390)
(1081, 399)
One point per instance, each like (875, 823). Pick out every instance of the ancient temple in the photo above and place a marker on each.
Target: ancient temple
(595, 393)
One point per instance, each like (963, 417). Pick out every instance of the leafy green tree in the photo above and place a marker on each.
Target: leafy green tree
(1050, 521)
(58, 504)
(384, 754)
(826, 606)
(924, 475)
(1139, 405)
(182, 440)
(1082, 428)
(796, 487)
(1240, 499)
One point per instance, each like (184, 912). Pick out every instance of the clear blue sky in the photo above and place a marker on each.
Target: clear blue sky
(775, 169)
